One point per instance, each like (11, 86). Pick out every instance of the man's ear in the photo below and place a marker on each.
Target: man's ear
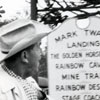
(24, 56)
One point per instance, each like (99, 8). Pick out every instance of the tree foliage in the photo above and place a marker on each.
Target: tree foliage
(56, 11)
(1, 11)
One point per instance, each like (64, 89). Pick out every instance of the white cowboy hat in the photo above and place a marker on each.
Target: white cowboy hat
(19, 35)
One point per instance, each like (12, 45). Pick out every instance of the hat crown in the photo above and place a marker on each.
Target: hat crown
(14, 32)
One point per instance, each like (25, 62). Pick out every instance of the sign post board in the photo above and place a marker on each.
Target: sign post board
(74, 61)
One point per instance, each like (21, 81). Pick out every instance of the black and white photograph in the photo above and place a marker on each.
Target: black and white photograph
(49, 50)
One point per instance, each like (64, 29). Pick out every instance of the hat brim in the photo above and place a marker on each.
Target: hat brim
(24, 43)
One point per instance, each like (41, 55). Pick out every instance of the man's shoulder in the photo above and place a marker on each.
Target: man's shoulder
(6, 82)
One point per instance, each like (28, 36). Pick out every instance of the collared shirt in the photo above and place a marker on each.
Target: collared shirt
(30, 90)
(30, 86)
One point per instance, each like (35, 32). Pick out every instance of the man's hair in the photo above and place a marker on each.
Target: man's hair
(13, 58)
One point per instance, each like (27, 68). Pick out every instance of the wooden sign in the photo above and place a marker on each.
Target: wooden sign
(74, 61)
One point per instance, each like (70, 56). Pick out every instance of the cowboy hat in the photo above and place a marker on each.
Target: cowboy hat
(19, 35)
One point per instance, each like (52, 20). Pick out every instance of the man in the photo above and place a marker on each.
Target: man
(19, 58)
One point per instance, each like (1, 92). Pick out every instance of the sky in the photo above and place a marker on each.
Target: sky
(13, 6)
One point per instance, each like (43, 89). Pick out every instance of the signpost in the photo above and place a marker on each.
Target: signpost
(74, 61)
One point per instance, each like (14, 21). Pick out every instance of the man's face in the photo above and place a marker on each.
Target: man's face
(34, 57)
